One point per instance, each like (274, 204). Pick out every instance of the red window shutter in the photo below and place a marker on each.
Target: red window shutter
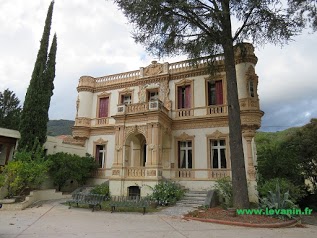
(97, 153)
(188, 96)
(103, 107)
(180, 98)
(219, 93)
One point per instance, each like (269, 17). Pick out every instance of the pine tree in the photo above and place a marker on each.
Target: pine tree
(33, 124)
(10, 110)
(204, 28)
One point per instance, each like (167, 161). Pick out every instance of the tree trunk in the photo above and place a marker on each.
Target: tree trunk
(239, 179)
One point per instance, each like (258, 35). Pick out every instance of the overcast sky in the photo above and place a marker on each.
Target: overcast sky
(94, 39)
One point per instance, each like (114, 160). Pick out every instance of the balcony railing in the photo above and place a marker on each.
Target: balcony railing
(153, 105)
(136, 172)
(184, 173)
(216, 110)
(215, 174)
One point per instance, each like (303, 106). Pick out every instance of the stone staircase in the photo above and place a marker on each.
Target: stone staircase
(193, 199)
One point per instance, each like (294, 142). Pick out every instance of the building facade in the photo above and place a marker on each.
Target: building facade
(167, 121)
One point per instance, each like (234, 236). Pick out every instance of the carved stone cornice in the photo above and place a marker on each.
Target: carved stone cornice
(217, 134)
(83, 121)
(72, 141)
(109, 130)
(81, 133)
(251, 119)
(86, 83)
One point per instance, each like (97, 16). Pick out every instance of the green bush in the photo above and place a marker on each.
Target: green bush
(296, 192)
(64, 166)
(102, 189)
(277, 200)
(26, 172)
(224, 187)
(166, 193)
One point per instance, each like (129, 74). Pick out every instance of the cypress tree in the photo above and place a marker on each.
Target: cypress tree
(34, 117)
(49, 79)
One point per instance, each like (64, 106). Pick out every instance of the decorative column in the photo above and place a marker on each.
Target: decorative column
(154, 151)
(249, 135)
(118, 155)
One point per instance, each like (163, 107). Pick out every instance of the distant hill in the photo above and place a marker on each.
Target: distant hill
(59, 127)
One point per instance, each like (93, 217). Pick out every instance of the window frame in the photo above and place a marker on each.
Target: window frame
(124, 93)
(98, 106)
(184, 138)
(149, 91)
(103, 143)
(104, 95)
(217, 136)
(224, 89)
(182, 83)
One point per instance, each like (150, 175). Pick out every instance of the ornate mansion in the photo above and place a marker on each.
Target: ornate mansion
(167, 121)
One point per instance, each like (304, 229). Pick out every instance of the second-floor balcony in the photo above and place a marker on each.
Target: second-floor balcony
(246, 104)
(154, 105)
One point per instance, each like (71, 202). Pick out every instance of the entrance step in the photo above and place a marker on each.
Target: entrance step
(193, 199)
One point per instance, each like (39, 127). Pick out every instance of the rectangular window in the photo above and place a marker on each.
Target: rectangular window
(152, 95)
(215, 93)
(218, 154)
(185, 155)
(126, 99)
(103, 107)
(101, 155)
(251, 88)
(184, 97)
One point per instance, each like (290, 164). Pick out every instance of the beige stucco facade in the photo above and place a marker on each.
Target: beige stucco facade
(152, 136)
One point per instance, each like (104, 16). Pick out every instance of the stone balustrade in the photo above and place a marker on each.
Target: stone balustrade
(216, 110)
(136, 172)
(184, 173)
(215, 174)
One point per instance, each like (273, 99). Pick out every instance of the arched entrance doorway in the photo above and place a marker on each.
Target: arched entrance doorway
(135, 150)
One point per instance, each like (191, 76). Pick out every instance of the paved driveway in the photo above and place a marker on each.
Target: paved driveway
(55, 220)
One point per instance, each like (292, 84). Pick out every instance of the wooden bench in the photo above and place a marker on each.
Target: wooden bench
(131, 202)
(93, 200)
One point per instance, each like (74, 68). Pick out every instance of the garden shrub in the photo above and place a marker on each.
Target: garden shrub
(65, 166)
(27, 171)
(166, 193)
(102, 189)
(224, 187)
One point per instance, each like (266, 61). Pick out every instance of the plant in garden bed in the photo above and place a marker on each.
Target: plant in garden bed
(296, 193)
(277, 201)
(102, 189)
(27, 171)
(224, 187)
(64, 166)
(166, 193)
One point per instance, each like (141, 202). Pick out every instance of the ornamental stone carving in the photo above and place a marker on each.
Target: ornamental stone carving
(82, 121)
(217, 134)
(251, 173)
(86, 83)
(184, 136)
(116, 172)
(101, 141)
(77, 105)
(153, 69)
(136, 129)
(151, 172)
